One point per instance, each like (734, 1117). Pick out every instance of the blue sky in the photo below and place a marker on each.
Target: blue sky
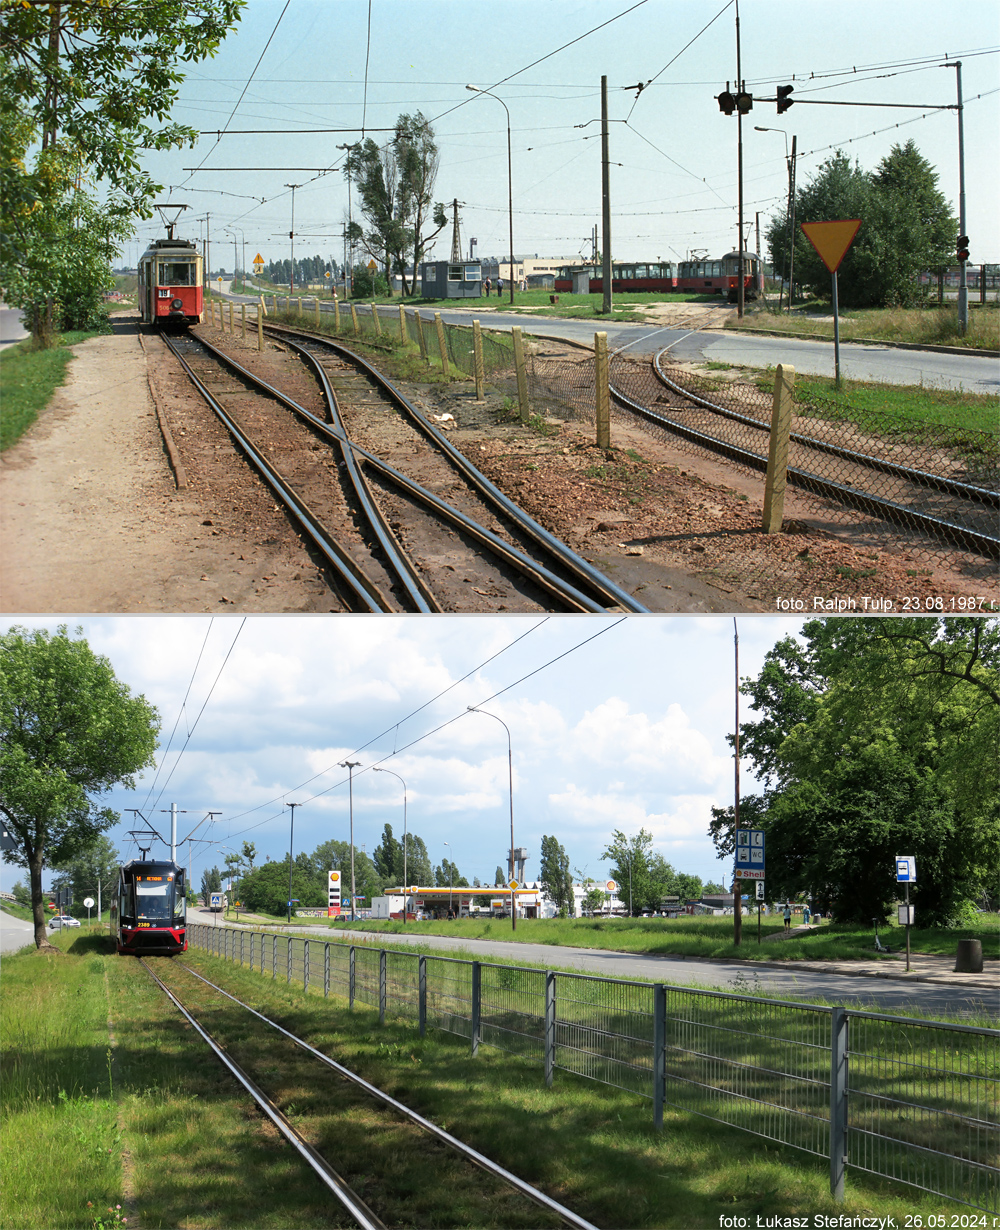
(673, 152)
(614, 724)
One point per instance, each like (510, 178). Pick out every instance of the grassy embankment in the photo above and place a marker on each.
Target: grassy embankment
(928, 326)
(30, 377)
(134, 1113)
(691, 936)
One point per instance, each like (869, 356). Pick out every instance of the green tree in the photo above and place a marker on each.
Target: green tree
(499, 879)
(86, 83)
(95, 864)
(877, 738)
(248, 852)
(630, 866)
(388, 858)
(906, 227)
(69, 732)
(265, 890)
(395, 185)
(447, 873)
(22, 894)
(211, 882)
(555, 876)
(418, 861)
(594, 900)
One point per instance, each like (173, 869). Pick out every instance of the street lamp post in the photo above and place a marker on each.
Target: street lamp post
(790, 163)
(291, 834)
(405, 887)
(510, 198)
(350, 766)
(348, 243)
(510, 782)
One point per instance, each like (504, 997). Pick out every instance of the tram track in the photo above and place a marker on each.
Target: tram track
(389, 540)
(937, 506)
(437, 1140)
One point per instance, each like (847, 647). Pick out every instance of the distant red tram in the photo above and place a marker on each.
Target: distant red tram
(710, 277)
(171, 284)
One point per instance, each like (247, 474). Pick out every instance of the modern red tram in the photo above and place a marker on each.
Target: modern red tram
(171, 283)
(149, 909)
(711, 277)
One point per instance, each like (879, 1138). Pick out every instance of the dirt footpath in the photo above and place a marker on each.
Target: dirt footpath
(91, 518)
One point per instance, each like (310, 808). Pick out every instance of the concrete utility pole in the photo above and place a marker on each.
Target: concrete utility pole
(350, 766)
(963, 281)
(291, 838)
(606, 200)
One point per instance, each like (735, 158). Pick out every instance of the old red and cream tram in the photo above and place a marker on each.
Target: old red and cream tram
(171, 284)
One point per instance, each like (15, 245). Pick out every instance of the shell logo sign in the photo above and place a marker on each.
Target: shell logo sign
(611, 886)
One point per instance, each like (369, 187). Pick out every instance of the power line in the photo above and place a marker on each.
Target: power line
(443, 725)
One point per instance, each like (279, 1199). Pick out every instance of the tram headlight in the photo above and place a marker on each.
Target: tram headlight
(176, 304)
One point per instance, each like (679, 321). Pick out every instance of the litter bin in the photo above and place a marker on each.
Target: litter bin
(969, 958)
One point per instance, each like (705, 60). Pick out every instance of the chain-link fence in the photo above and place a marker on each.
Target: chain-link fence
(931, 487)
(910, 1100)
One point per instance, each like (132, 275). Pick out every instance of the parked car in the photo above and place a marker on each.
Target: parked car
(63, 920)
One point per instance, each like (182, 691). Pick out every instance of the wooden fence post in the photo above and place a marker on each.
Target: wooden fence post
(376, 322)
(402, 324)
(354, 318)
(316, 303)
(777, 455)
(230, 316)
(442, 344)
(336, 313)
(260, 325)
(421, 340)
(243, 320)
(602, 392)
(477, 347)
(522, 374)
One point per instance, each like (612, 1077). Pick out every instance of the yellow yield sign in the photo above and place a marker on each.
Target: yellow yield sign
(831, 239)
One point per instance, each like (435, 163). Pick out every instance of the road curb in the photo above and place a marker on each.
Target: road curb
(961, 351)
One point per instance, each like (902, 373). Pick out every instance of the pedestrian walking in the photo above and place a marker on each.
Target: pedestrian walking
(499, 287)
(788, 916)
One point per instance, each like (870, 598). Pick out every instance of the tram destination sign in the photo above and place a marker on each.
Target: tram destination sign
(750, 854)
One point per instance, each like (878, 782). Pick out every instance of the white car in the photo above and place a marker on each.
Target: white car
(63, 920)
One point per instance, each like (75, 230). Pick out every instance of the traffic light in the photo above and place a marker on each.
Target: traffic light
(727, 103)
(744, 102)
(784, 102)
(963, 248)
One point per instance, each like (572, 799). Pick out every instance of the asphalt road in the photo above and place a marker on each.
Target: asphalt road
(15, 933)
(885, 364)
(11, 326)
(879, 994)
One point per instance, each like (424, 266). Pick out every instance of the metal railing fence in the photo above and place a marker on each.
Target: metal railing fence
(905, 1099)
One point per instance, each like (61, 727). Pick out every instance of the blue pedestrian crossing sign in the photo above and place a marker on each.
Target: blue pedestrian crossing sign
(906, 869)
(750, 854)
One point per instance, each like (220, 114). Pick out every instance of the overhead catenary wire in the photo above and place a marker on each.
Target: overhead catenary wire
(436, 730)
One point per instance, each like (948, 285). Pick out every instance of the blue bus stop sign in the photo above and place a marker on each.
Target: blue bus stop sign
(906, 869)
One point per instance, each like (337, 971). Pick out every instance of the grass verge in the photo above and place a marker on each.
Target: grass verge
(29, 378)
(591, 1145)
(700, 936)
(929, 326)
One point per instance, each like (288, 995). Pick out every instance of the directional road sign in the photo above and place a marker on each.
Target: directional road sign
(750, 854)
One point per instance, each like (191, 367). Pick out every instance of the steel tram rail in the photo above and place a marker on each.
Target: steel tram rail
(432, 1129)
(887, 510)
(585, 575)
(566, 595)
(366, 592)
(353, 1203)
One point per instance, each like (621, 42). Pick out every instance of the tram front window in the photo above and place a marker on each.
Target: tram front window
(177, 273)
(152, 900)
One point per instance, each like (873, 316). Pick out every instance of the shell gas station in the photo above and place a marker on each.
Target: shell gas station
(464, 902)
